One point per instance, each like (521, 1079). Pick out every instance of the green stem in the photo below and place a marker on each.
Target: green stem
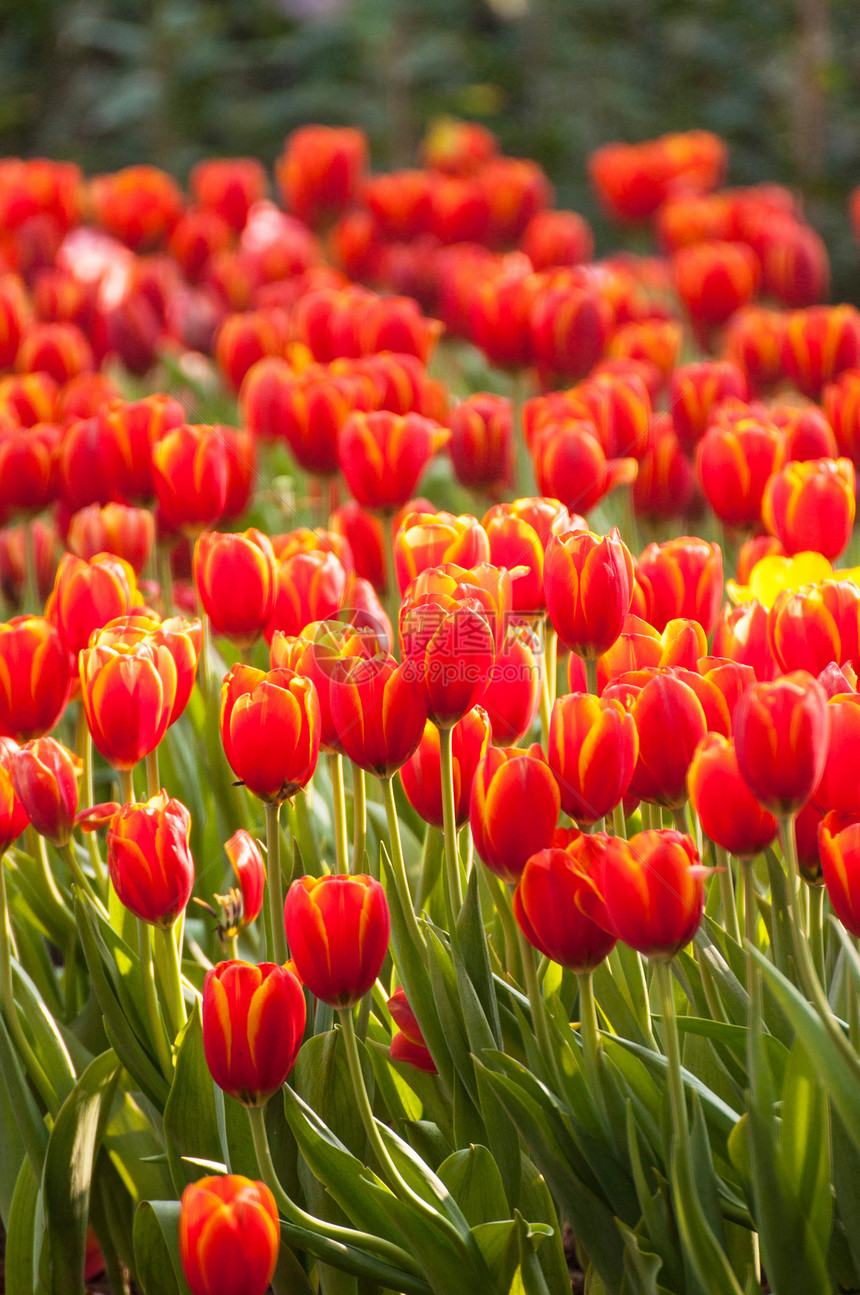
(591, 675)
(204, 673)
(619, 822)
(545, 703)
(399, 865)
(727, 894)
(551, 650)
(591, 1046)
(359, 818)
(32, 601)
(126, 786)
(81, 880)
(386, 1250)
(677, 1099)
(275, 887)
(7, 997)
(540, 1017)
(681, 819)
(392, 588)
(84, 746)
(815, 897)
(165, 579)
(454, 889)
(750, 933)
(510, 929)
(170, 974)
(150, 999)
(153, 781)
(339, 808)
(38, 852)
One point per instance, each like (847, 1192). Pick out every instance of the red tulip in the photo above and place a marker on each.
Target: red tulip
(45, 778)
(378, 712)
(253, 1023)
(190, 471)
(547, 905)
(337, 929)
(229, 1236)
(235, 578)
(811, 505)
(588, 582)
(13, 815)
(87, 595)
(35, 677)
(727, 810)
(270, 728)
(592, 750)
(382, 456)
(513, 810)
(652, 891)
(781, 732)
(682, 578)
(149, 859)
(421, 774)
(839, 846)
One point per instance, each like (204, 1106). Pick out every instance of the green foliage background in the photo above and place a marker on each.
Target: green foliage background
(173, 80)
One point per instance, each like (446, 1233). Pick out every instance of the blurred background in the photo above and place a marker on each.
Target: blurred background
(170, 81)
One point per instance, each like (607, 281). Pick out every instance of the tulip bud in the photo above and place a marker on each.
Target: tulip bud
(229, 1236)
(190, 471)
(682, 578)
(652, 891)
(548, 910)
(839, 786)
(229, 186)
(128, 691)
(714, 279)
(665, 704)
(253, 1024)
(235, 578)
(696, 389)
(126, 532)
(87, 595)
(818, 344)
(270, 728)
(428, 540)
(382, 456)
(35, 677)
(482, 443)
(726, 808)
(408, 1043)
(592, 750)
(149, 859)
(45, 777)
(449, 646)
(320, 170)
(839, 847)
(588, 581)
(242, 905)
(781, 732)
(378, 712)
(811, 627)
(13, 815)
(421, 774)
(811, 506)
(513, 810)
(337, 929)
(733, 465)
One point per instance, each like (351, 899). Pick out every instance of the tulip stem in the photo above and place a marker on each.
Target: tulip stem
(165, 579)
(399, 865)
(205, 671)
(672, 1049)
(551, 658)
(396, 1180)
(153, 781)
(590, 1036)
(359, 818)
(619, 822)
(126, 786)
(150, 999)
(339, 807)
(681, 819)
(510, 930)
(293, 1213)
(274, 884)
(540, 1016)
(727, 893)
(449, 816)
(32, 601)
(81, 880)
(800, 944)
(591, 675)
(84, 744)
(750, 932)
(392, 588)
(167, 961)
(815, 897)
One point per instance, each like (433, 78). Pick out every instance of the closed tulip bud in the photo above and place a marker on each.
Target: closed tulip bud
(229, 1236)
(547, 905)
(235, 579)
(665, 484)
(806, 434)
(315, 654)
(588, 582)
(810, 628)
(270, 728)
(694, 392)
(795, 265)
(592, 750)
(818, 344)
(399, 202)
(149, 859)
(320, 170)
(30, 397)
(654, 342)
(448, 645)
(229, 186)
(126, 532)
(714, 279)
(512, 696)
(842, 407)
(378, 712)
(682, 577)
(382, 456)
(514, 809)
(309, 587)
(730, 678)
(87, 464)
(59, 349)
(408, 1043)
(86, 595)
(811, 505)
(35, 677)
(482, 442)
(13, 815)
(45, 778)
(500, 314)
(839, 786)
(190, 472)
(245, 339)
(664, 704)
(337, 929)
(741, 635)
(128, 691)
(250, 872)
(13, 560)
(781, 733)
(557, 238)
(519, 534)
(139, 205)
(198, 236)
(28, 476)
(421, 774)
(652, 891)
(253, 1023)
(570, 323)
(134, 428)
(726, 808)
(570, 464)
(733, 465)
(15, 317)
(429, 540)
(839, 848)
(753, 341)
(365, 536)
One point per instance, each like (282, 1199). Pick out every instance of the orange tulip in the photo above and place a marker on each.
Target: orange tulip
(253, 1023)
(726, 808)
(337, 929)
(811, 505)
(592, 750)
(513, 810)
(229, 1236)
(270, 728)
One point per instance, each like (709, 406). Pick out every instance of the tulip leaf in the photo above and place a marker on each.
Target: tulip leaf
(31, 1125)
(48, 1044)
(720, 1116)
(190, 1121)
(473, 1179)
(471, 945)
(443, 979)
(21, 1262)
(640, 1266)
(156, 1248)
(69, 1161)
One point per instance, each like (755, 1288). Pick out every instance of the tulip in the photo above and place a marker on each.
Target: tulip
(270, 728)
(839, 785)
(810, 628)
(45, 778)
(408, 1043)
(125, 532)
(320, 170)
(818, 344)
(315, 655)
(13, 815)
(429, 540)
(806, 434)
(733, 464)
(811, 505)
(592, 750)
(382, 456)
(588, 582)
(781, 732)
(30, 397)
(337, 929)
(229, 186)
(547, 906)
(244, 903)
(448, 645)
(229, 1236)
(149, 859)
(694, 392)
(512, 695)
(682, 578)
(128, 691)
(364, 534)
(741, 635)
(378, 712)
(253, 1024)
(519, 534)
(245, 339)
(457, 147)
(500, 315)
(842, 407)
(752, 341)
(664, 704)
(86, 595)
(557, 238)
(727, 810)
(513, 810)
(665, 484)
(134, 428)
(714, 279)
(190, 472)
(570, 464)
(28, 475)
(839, 846)
(482, 443)
(235, 579)
(138, 204)
(421, 774)
(652, 342)
(59, 349)
(652, 891)
(35, 677)
(309, 587)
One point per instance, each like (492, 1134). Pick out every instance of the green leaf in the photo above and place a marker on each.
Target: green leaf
(805, 1144)
(190, 1121)
(67, 1175)
(156, 1248)
(471, 945)
(21, 1270)
(48, 1044)
(846, 1184)
(640, 1266)
(34, 1135)
(473, 1179)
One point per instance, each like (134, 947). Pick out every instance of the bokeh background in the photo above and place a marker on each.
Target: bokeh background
(171, 81)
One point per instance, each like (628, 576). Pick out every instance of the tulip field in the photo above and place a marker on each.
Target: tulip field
(429, 729)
